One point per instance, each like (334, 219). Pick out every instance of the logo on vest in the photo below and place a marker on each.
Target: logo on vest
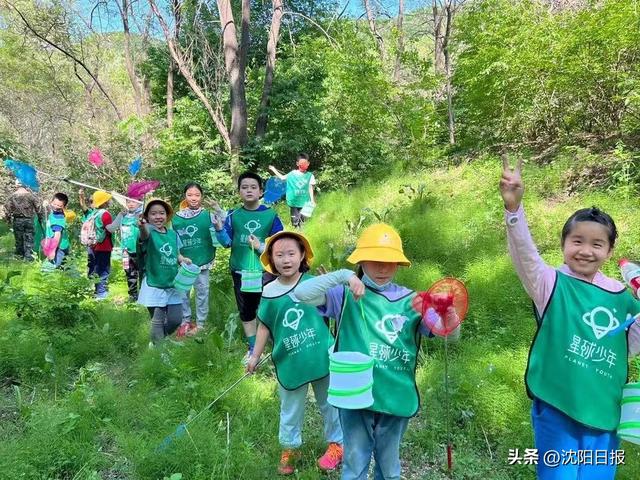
(296, 315)
(601, 321)
(252, 226)
(396, 322)
(190, 230)
(166, 250)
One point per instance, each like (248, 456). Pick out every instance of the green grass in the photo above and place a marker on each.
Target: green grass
(84, 398)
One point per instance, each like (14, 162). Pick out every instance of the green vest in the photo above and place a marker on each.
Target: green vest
(53, 220)
(196, 237)
(161, 258)
(129, 232)
(298, 189)
(573, 364)
(244, 222)
(388, 333)
(101, 232)
(301, 339)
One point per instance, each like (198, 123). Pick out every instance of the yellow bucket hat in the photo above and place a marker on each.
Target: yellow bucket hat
(100, 197)
(264, 257)
(183, 204)
(379, 243)
(154, 201)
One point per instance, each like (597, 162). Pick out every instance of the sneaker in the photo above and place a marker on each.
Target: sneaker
(194, 330)
(183, 330)
(287, 461)
(332, 458)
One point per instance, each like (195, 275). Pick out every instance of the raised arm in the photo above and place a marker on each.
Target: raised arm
(275, 171)
(536, 276)
(314, 291)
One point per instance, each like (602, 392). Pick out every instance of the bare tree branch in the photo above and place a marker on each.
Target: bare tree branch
(69, 55)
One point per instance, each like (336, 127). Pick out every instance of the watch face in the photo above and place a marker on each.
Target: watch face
(513, 220)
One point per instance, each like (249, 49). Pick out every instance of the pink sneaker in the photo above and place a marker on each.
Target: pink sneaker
(332, 458)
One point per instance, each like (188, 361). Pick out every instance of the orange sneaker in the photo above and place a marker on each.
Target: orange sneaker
(332, 458)
(287, 461)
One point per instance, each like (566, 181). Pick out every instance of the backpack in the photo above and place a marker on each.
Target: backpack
(89, 234)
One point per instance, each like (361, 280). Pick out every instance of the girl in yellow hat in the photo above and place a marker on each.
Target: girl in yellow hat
(378, 318)
(301, 338)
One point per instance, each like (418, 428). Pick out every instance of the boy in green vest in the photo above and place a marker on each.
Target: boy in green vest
(56, 228)
(578, 359)
(245, 230)
(380, 319)
(300, 185)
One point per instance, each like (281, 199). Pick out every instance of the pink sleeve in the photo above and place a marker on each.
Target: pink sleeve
(537, 277)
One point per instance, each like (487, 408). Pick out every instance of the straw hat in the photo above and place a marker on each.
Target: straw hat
(156, 201)
(264, 257)
(379, 243)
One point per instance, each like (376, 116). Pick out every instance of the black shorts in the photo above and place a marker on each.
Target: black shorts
(248, 301)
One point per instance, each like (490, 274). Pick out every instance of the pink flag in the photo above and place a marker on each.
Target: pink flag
(95, 157)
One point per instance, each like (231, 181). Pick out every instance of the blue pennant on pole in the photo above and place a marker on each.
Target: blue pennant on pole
(26, 174)
(135, 166)
(274, 190)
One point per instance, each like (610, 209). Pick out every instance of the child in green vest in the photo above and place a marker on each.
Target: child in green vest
(578, 359)
(245, 230)
(301, 338)
(300, 185)
(127, 223)
(380, 319)
(99, 254)
(160, 247)
(194, 226)
(56, 228)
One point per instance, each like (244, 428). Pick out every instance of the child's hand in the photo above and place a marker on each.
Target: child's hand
(511, 185)
(254, 242)
(252, 365)
(186, 260)
(356, 286)
(213, 203)
(451, 319)
(141, 221)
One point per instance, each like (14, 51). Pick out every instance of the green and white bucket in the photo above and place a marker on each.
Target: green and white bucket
(350, 380)
(186, 277)
(307, 210)
(629, 428)
(251, 281)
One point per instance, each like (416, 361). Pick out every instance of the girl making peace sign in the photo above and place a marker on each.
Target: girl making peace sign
(578, 359)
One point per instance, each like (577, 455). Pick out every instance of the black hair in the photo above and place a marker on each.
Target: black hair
(302, 156)
(62, 197)
(192, 185)
(253, 175)
(304, 265)
(592, 214)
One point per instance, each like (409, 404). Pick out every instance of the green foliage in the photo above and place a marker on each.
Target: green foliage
(527, 73)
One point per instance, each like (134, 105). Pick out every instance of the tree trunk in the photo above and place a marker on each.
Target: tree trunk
(374, 30)
(175, 7)
(398, 65)
(238, 135)
(438, 55)
(245, 36)
(272, 45)
(138, 94)
(176, 54)
(447, 68)
(170, 93)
